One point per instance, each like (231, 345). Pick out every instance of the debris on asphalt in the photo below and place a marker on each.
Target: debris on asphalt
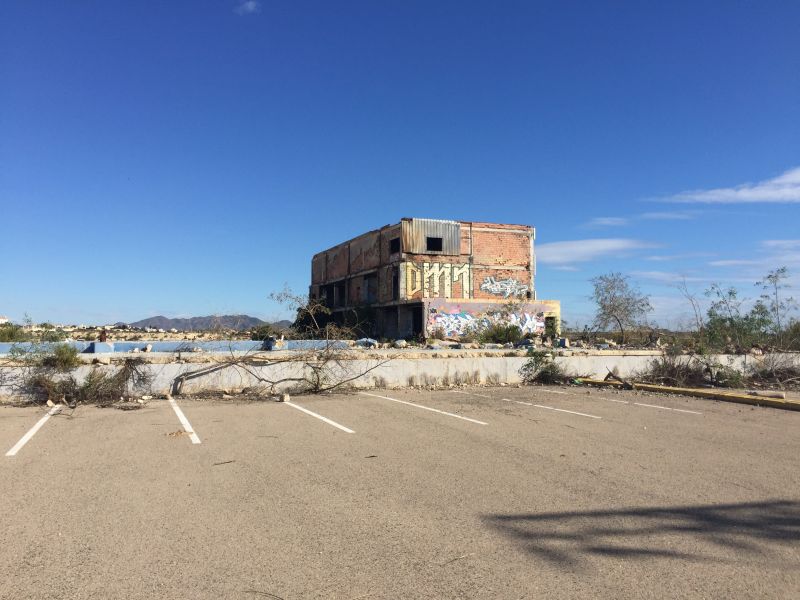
(224, 462)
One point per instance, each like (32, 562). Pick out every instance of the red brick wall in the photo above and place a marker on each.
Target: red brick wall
(491, 244)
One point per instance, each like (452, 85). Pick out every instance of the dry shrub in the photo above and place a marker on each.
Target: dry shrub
(542, 368)
(100, 387)
(689, 371)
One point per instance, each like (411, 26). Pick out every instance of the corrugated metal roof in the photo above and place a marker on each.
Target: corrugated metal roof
(415, 234)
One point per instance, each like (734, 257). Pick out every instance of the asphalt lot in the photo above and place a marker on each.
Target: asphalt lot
(485, 493)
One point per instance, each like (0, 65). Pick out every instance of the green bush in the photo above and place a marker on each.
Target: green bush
(542, 368)
(62, 357)
(261, 333)
(13, 333)
(500, 333)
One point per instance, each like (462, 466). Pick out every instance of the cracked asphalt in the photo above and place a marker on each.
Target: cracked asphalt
(499, 492)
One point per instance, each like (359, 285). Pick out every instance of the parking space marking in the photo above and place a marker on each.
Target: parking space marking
(470, 394)
(567, 411)
(320, 417)
(612, 400)
(668, 408)
(32, 431)
(555, 392)
(187, 427)
(436, 410)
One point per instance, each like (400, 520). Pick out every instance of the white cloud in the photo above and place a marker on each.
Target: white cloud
(648, 216)
(669, 257)
(667, 216)
(567, 253)
(665, 276)
(608, 222)
(782, 189)
(248, 7)
(781, 244)
(743, 262)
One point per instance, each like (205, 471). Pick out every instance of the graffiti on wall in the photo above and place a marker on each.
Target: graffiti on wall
(460, 322)
(503, 287)
(435, 280)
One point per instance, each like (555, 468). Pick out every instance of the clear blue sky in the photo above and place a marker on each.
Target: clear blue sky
(188, 157)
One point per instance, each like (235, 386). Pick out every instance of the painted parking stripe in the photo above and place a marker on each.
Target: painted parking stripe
(187, 427)
(555, 392)
(32, 431)
(320, 417)
(613, 400)
(470, 394)
(572, 412)
(436, 410)
(668, 408)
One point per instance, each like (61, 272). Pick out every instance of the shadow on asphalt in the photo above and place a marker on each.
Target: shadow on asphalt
(682, 532)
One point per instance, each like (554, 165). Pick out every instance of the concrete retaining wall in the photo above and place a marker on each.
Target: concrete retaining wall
(399, 372)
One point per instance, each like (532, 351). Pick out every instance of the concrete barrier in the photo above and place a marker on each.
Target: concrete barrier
(402, 369)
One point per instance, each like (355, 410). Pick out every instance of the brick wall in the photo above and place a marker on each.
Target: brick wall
(499, 256)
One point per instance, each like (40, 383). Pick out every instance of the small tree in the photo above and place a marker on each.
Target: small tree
(618, 303)
(775, 305)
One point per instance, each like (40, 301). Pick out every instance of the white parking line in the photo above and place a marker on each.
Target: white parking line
(525, 403)
(187, 427)
(555, 392)
(470, 394)
(692, 412)
(32, 431)
(612, 400)
(320, 417)
(436, 410)
(567, 411)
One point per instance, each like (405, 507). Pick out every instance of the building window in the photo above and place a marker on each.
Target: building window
(370, 288)
(394, 245)
(395, 283)
(433, 244)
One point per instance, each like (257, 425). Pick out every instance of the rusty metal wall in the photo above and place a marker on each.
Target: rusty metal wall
(414, 232)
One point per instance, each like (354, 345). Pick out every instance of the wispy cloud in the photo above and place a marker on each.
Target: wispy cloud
(665, 276)
(782, 189)
(672, 278)
(247, 7)
(670, 257)
(668, 216)
(770, 255)
(736, 262)
(678, 215)
(781, 244)
(562, 254)
(608, 222)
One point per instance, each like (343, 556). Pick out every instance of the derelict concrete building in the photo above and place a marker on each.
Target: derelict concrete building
(424, 275)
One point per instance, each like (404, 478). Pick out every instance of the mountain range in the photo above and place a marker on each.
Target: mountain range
(237, 322)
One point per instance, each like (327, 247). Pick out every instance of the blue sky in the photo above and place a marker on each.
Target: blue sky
(188, 158)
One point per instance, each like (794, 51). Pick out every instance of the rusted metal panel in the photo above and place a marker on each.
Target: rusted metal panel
(417, 231)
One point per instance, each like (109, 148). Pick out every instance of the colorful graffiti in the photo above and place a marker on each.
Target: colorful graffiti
(503, 287)
(435, 280)
(457, 322)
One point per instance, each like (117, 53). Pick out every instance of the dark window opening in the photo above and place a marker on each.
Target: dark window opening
(395, 283)
(371, 288)
(394, 245)
(339, 294)
(433, 244)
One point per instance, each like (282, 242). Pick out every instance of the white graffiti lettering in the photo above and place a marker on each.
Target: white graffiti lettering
(503, 287)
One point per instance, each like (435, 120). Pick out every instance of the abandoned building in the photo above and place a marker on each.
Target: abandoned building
(424, 276)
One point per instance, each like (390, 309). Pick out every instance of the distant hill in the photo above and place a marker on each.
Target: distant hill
(237, 322)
